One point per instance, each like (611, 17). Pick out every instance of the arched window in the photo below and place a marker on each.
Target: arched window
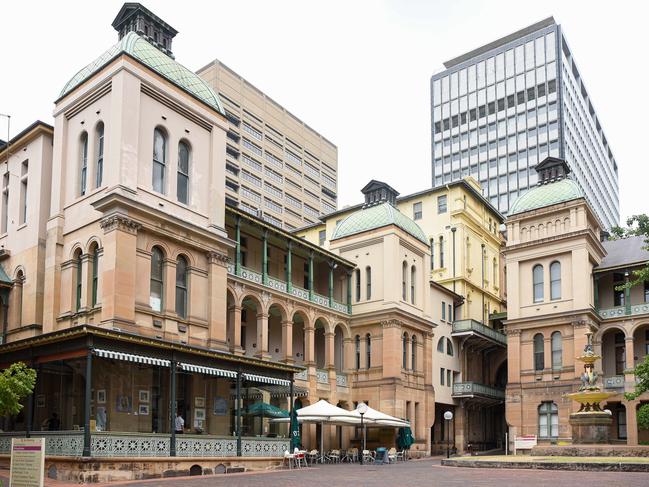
(537, 279)
(181, 287)
(79, 281)
(159, 160)
(440, 345)
(83, 164)
(404, 281)
(368, 283)
(99, 167)
(548, 420)
(404, 345)
(95, 274)
(449, 347)
(20, 281)
(557, 358)
(182, 178)
(432, 254)
(368, 350)
(358, 285)
(413, 276)
(157, 279)
(441, 251)
(357, 341)
(539, 354)
(555, 280)
(413, 352)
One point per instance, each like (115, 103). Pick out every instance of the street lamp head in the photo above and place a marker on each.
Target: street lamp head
(448, 415)
(361, 408)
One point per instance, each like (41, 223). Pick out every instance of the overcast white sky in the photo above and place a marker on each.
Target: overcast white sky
(356, 71)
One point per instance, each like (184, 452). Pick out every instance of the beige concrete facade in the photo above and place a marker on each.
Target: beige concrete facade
(277, 167)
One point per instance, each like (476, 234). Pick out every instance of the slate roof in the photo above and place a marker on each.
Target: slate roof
(624, 252)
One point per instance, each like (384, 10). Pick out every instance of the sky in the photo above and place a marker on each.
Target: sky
(356, 71)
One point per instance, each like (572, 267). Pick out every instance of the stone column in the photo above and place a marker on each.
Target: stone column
(169, 289)
(118, 269)
(264, 258)
(217, 297)
(234, 333)
(309, 344)
(330, 359)
(460, 426)
(262, 336)
(289, 268)
(631, 422)
(629, 353)
(287, 341)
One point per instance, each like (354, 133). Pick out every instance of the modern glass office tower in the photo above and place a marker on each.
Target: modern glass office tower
(500, 109)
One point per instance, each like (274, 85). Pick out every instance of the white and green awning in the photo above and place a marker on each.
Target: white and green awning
(201, 369)
(266, 380)
(131, 357)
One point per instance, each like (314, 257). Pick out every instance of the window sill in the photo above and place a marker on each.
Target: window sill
(21, 226)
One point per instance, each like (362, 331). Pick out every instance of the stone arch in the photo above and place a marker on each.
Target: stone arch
(251, 306)
(340, 336)
(300, 319)
(19, 272)
(325, 322)
(277, 314)
(321, 329)
(636, 327)
(179, 251)
(76, 247)
(195, 470)
(155, 242)
(230, 318)
(615, 326)
(612, 350)
(92, 241)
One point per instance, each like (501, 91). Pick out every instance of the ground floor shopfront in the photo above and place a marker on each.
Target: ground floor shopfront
(103, 394)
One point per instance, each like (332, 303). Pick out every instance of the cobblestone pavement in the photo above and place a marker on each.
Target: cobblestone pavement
(426, 472)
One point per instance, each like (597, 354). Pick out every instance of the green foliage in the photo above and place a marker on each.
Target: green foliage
(642, 379)
(643, 417)
(16, 383)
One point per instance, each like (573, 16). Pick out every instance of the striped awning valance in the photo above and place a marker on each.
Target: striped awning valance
(201, 369)
(274, 391)
(131, 357)
(266, 380)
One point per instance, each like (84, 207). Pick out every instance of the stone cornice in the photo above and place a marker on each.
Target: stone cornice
(218, 258)
(119, 222)
(392, 323)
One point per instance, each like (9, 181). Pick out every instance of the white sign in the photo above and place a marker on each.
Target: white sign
(524, 442)
(27, 462)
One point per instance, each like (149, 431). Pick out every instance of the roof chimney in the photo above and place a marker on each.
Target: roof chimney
(135, 17)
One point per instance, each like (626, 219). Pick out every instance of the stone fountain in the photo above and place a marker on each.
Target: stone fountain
(590, 424)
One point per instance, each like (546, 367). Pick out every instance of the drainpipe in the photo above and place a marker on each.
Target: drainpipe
(482, 259)
(453, 232)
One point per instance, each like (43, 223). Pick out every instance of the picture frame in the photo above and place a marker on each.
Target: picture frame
(123, 404)
(143, 395)
(40, 400)
(199, 414)
(143, 409)
(199, 402)
(220, 406)
(101, 396)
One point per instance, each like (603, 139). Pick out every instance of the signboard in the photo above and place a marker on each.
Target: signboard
(526, 442)
(27, 462)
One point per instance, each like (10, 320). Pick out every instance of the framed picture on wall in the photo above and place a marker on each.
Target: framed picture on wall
(123, 404)
(199, 402)
(199, 414)
(40, 400)
(101, 396)
(144, 395)
(220, 406)
(143, 410)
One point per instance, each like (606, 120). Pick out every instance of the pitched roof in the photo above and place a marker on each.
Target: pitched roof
(624, 252)
(138, 48)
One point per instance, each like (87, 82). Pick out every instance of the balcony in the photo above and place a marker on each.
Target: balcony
(481, 392)
(619, 311)
(281, 286)
(480, 336)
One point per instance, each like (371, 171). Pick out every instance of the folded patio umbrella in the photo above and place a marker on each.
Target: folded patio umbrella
(266, 410)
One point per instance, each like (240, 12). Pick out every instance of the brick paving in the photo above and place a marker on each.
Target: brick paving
(427, 472)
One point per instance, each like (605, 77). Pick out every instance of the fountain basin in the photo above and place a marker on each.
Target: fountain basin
(590, 400)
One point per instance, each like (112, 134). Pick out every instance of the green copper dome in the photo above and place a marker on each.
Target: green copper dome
(546, 195)
(377, 216)
(138, 48)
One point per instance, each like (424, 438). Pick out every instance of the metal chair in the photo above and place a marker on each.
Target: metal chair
(368, 457)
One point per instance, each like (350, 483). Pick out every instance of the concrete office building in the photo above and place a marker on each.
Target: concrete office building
(277, 167)
(500, 109)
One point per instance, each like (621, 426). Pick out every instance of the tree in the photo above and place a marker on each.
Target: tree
(636, 225)
(642, 385)
(16, 383)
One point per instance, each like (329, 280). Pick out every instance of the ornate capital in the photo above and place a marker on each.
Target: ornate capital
(265, 298)
(394, 323)
(513, 332)
(119, 222)
(218, 258)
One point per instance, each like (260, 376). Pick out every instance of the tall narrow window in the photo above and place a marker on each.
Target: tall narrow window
(404, 281)
(368, 350)
(440, 345)
(449, 347)
(159, 160)
(539, 354)
(5, 201)
(557, 359)
(95, 274)
(358, 285)
(83, 164)
(537, 278)
(432, 254)
(413, 352)
(404, 351)
(23, 192)
(358, 351)
(494, 271)
(182, 179)
(79, 280)
(99, 169)
(441, 252)
(20, 281)
(157, 279)
(548, 420)
(413, 276)
(555, 280)
(443, 311)
(181, 287)
(368, 283)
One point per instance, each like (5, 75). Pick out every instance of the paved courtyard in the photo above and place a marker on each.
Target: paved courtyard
(426, 472)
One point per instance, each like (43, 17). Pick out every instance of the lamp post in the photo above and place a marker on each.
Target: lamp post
(362, 409)
(448, 416)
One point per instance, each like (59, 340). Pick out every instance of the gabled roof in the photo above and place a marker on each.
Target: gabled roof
(377, 216)
(141, 50)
